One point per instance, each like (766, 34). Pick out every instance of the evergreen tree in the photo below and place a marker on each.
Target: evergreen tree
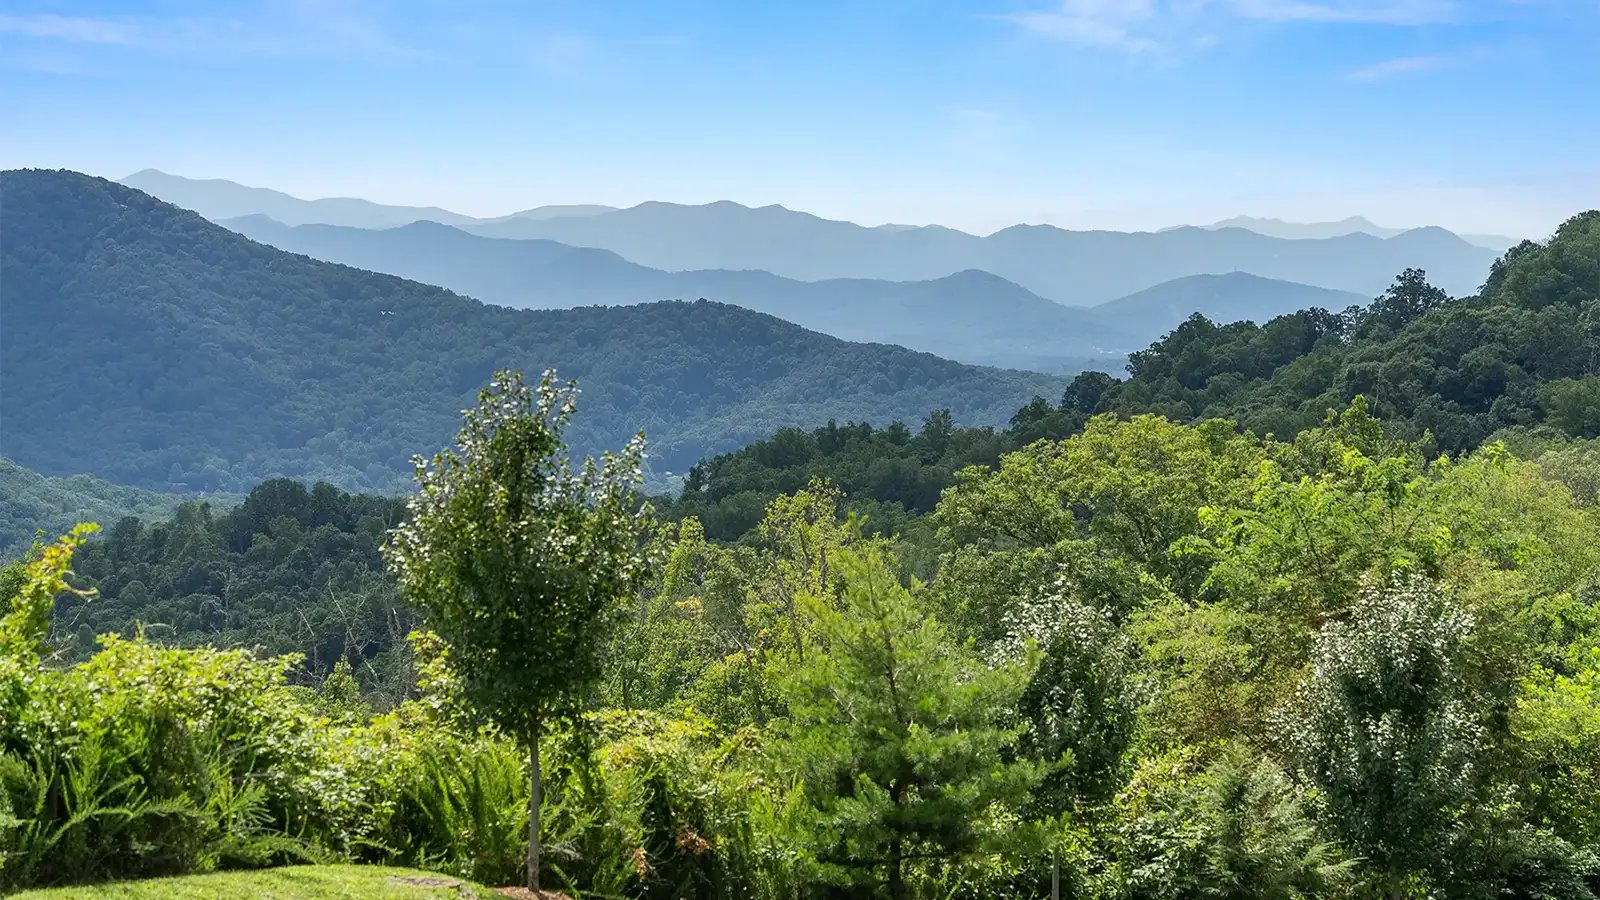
(898, 738)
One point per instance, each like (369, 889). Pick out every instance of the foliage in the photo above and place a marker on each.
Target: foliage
(520, 565)
(36, 505)
(288, 570)
(1231, 826)
(1326, 655)
(147, 761)
(1387, 735)
(1455, 370)
(899, 742)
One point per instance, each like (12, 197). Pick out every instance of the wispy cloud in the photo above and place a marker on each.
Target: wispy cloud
(1392, 68)
(1476, 54)
(1353, 12)
(1146, 26)
(73, 29)
(304, 28)
(1116, 24)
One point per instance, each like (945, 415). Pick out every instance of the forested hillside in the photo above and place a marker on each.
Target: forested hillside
(287, 570)
(34, 505)
(168, 352)
(1523, 352)
(972, 317)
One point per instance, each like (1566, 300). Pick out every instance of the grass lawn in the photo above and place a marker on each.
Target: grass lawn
(288, 883)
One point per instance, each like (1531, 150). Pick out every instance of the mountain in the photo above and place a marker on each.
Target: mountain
(31, 504)
(1352, 225)
(1233, 297)
(969, 316)
(1070, 267)
(148, 346)
(216, 198)
(555, 212)
(1306, 230)
(1520, 355)
(1080, 268)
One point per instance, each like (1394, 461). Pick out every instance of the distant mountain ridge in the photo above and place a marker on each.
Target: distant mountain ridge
(1229, 297)
(143, 344)
(1352, 225)
(220, 198)
(970, 316)
(1080, 268)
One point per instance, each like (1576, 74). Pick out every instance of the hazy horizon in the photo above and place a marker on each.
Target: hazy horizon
(510, 210)
(1084, 114)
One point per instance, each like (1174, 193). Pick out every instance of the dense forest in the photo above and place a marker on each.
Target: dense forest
(199, 360)
(1155, 660)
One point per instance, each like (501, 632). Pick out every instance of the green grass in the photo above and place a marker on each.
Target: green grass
(288, 883)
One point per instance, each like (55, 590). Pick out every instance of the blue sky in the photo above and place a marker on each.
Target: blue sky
(1481, 115)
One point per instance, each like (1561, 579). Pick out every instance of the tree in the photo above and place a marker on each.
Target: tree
(1233, 826)
(1385, 734)
(1080, 702)
(897, 736)
(1086, 391)
(521, 565)
(1408, 299)
(1573, 405)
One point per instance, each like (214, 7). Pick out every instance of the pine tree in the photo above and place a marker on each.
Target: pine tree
(897, 737)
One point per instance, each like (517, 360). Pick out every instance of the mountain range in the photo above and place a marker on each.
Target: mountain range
(219, 198)
(1078, 268)
(970, 316)
(143, 344)
(1352, 225)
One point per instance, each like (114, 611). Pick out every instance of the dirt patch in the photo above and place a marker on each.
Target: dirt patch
(522, 893)
(434, 881)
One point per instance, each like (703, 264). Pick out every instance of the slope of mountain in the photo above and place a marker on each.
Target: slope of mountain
(1521, 353)
(1233, 297)
(1351, 225)
(969, 316)
(148, 346)
(554, 212)
(31, 504)
(217, 198)
(1070, 267)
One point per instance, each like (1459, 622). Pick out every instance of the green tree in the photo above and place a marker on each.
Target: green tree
(1385, 733)
(1408, 299)
(1233, 826)
(520, 564)
(898, 739)
(1573, 405)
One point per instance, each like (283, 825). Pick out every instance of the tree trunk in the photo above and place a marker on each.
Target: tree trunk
(897, 885)
(535, 797)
